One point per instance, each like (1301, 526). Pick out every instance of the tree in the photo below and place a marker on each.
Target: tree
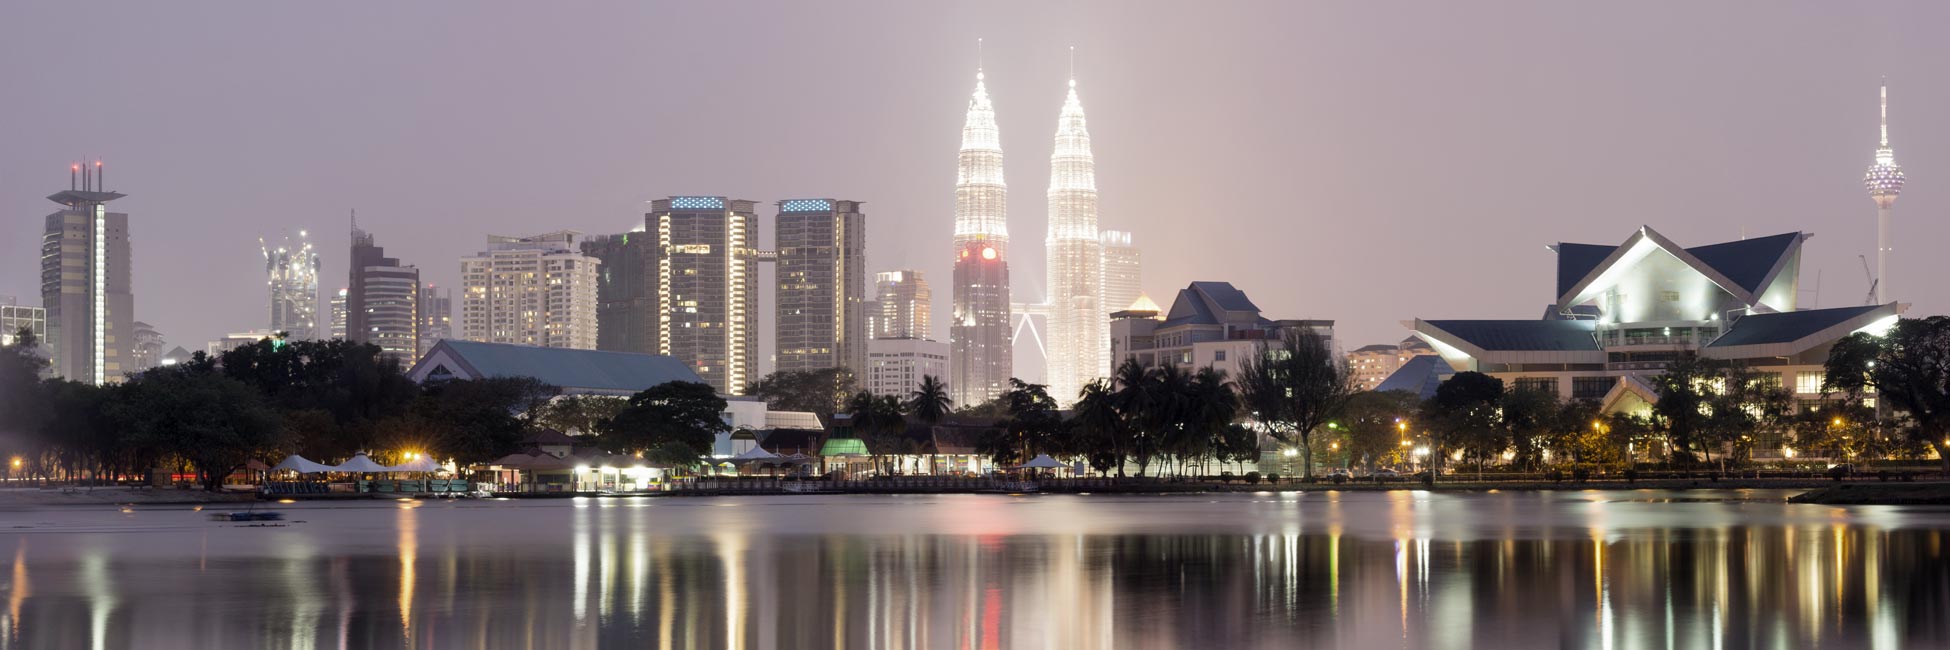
(1210, 407)
(1034, 425)
(355, 384)
(1373, 424)
(579, 414)
(1683, 407)
(929, 402)
(821, 392)
(1099, 427)
(679, 419)
(24, 409)
(1237, 443)
(215, 423)
(1142, 403)
(1909, 368)
(1297, 384)
(472, 421)
(1529, 418)
(1462, 415)
(877, 421)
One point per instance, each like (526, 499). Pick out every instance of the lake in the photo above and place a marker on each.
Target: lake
(1369, 570)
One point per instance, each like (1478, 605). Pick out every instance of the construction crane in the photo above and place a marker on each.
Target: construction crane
(1871, 298)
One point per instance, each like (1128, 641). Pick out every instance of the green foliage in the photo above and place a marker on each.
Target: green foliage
(1464, 415)
(680, 420)
(1909, 367)
(214, 422)
(822, 392)
(1373, 424)
(929, 402)
(1296, 385)
(1034, 425)
(470, 421)
(578, 415)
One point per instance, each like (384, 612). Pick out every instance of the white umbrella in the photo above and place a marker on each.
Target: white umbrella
(421, 464)
(301, 465)
(359, 463)
(1041, 461)
(755, 453)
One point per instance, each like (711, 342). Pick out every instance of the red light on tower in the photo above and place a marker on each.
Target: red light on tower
(988, 253)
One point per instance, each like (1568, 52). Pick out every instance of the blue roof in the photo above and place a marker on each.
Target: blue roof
(1195, 303)
(1543, 335)
(568, 369)
(1574, 261)
(1226, 296)
(1746, 262)
(1786, 327)
(1421, 375)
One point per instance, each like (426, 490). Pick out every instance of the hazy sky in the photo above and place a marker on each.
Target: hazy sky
(1360, 161)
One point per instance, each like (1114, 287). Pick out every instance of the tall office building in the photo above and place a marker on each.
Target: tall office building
(382, 305)
(979, 350)
(14, 318)
(707, 286)
(902, 303)
(338, 314)
(1123, 282)
(148, 347)
(1885, 181)
(85, 287)
(436, 316)
(895, 366)
(1078, 319)
(822, 285)
(538, 290)
(291, 272)
(626, 291)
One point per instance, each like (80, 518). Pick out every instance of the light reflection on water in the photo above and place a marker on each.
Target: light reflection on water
(1367, 570)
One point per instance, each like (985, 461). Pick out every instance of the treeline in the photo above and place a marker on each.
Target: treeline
(325, 400)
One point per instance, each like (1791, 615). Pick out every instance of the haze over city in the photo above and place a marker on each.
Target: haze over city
(1343, 161)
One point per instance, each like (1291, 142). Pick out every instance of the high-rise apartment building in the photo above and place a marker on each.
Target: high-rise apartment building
(978, 336)
(895, 366)
(291, 272)
(538, 290)
(338, 314)
(148, 347)
(1123, 281)
(436, 316)
(821, 270)
(902, 303)
(14, 318)
(1079, 320)
(85, 284)
(707, 286)
(626, 291)
(382, 305)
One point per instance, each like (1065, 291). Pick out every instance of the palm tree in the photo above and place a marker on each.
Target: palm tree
(930, 403)
(1210, 407)
(1100, 426)
(1133, 401)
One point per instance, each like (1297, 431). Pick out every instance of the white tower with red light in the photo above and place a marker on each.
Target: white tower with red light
(1885, 181)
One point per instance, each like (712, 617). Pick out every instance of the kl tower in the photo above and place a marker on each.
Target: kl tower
(1885, 181)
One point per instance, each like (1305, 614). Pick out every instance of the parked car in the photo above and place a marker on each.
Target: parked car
(1385, 475)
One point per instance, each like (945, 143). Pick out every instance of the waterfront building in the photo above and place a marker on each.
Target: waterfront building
(1209, 324)
(1624, 312)
(1076, 348)
(574, 371)
(626, 291)
(821, 275)
(338, 314)
(707, 286)
(538, 290)
(291, 272)
(978, 335)
(903, 304)
(382, 303)
(85, 282)
(895, 366)
(14, 318)
(236, 340)
(436, 316)
(1885, 181)
(1123, 282)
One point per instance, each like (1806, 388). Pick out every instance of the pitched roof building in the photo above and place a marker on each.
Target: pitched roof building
(576, 372)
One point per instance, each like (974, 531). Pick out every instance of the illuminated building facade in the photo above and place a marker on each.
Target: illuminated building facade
(626, 291)
(821, 299)
(14, 318)
(895, 366)
(338, 314)
(978, 335)
(382, 303)
(436, 316)
(85, 284)
(538, 290)
(903, 300)
(1078, 321)
(1209, 324)
(1624, 312)
(291, 273)
(1885, 181)
(707, 286)
(1123, 281)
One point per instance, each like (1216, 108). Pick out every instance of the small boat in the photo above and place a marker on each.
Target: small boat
(248, 515)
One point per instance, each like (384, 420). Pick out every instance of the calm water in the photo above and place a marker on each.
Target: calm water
(1358, 570)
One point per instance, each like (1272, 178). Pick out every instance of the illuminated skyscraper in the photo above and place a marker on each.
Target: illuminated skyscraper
(902, 299)
(707, 286)
(538, 290)
(1123, 282)
(338, 314)
(436, 316)
(978, 336)
(292, 274)
(85, 283)
(1885, 181)
(382, 307)
(822, 285)
(1078, 320)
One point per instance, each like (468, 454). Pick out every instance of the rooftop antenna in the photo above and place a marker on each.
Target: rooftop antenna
(978, 54)
(101, 176)
(74, 176)
(1073, 66)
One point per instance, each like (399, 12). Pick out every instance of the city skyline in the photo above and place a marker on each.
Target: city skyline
(1271, 133)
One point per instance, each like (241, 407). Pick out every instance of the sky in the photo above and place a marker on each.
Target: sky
(1365, 162)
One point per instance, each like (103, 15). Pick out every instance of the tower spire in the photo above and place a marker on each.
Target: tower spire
(1885, 112)
(1884, 181)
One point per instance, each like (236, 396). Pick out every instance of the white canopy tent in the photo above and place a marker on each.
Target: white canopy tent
(421, 464)
(301, 465)
(755, 453)
(1041, 461)
(359, 463)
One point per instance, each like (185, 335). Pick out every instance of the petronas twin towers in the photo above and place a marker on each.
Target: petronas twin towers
(1078, 329)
